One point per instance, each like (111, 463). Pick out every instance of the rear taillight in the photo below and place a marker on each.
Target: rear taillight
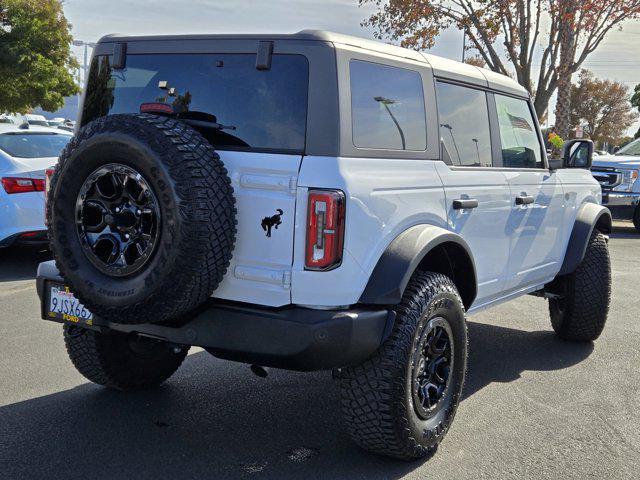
(325, 229)
(22, 185)
(48, 173)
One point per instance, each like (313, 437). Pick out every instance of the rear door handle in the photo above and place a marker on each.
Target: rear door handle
(524, 200)
(465, 203)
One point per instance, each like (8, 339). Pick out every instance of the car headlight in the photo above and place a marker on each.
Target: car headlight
(629, 177)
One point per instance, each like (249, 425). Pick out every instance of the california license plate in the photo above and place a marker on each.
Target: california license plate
(65, 306)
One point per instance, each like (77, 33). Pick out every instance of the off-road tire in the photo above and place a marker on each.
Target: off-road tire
(197, 211)
(108, 358)
(376, 397)
(581, 313)
(636, 218)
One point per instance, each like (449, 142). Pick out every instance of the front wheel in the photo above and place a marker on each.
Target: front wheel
(402, 400)
(122, 361)
(636, 218)
(580, 311)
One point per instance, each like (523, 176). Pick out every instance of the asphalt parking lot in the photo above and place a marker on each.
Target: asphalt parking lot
(534, 406)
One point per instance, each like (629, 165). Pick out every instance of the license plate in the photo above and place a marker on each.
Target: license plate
(65, 306)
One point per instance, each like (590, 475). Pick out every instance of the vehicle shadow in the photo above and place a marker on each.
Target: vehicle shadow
(624, 230)
(213, 419)
(20, 263)
(501, 355)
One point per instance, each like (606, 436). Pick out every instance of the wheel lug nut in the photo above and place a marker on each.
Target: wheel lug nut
(117, 209)
(127, 236)
(138, 212)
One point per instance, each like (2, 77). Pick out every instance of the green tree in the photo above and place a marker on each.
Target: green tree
(635, 99)
(36, 64)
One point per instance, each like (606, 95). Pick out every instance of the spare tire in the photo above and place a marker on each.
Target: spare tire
(141, 218)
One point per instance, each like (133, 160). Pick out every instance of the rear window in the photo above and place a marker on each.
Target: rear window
(33, 145)
(268, 108)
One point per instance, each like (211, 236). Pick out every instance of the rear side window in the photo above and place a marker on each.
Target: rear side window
(518, 136)
(268, 108)
(465, 136)
(387, 107)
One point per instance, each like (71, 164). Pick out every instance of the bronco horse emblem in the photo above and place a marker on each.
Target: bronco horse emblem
(272, 221)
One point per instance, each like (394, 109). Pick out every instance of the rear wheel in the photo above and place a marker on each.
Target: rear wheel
(580, 311)
(402, 400)
(122, 361)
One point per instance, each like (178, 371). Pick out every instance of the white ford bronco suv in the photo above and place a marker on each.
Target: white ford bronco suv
(313, 202)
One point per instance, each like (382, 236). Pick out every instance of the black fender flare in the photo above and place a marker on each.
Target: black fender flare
(590, 216)
(403, 256)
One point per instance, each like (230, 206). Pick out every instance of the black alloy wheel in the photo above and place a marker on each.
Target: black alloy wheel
(432, 361)
(118, 219)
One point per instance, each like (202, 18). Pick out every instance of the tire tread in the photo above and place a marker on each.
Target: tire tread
(372, 393)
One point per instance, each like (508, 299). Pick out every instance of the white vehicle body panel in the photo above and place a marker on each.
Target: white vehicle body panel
(384, 198)
(516, 249)
(537, 230)
(22, 212)
(260, 269)
(579, 188)
(484, 228)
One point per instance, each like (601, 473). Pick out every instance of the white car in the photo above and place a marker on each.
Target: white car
(25, 153)
(56, 122)
(36, 120)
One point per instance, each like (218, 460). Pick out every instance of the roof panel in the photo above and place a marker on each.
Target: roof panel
(503, 83)
(442, 67)
(453, 70)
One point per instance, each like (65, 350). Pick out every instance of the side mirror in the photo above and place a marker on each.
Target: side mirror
(577, 153)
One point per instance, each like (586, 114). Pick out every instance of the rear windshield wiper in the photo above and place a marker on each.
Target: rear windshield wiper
(207, 124)
(203, 120)
(194, 118)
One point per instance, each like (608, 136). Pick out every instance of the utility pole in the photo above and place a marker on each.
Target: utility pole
(85, 64)
(386, 102)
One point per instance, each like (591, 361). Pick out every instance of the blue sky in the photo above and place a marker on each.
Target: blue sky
(617, 58)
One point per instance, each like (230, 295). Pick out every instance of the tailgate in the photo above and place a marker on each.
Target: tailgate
(264, 186)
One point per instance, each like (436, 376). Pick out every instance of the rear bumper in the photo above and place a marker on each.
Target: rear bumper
(292, 338)
(622, 205)
(20, 213)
